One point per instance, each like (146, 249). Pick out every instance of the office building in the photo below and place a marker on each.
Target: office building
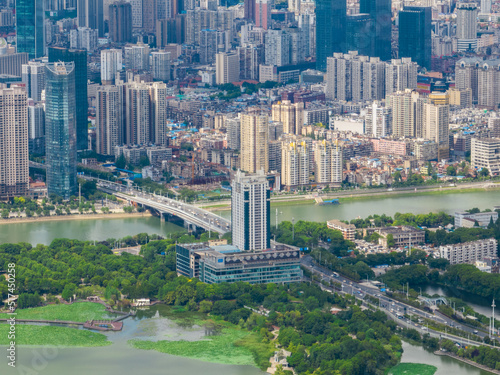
(36, 127)
(330, 30)
(359, 35)
(14, 174)
(254, 135)
(328, 163)
(415, 35)
(61, 129)
(90, 14)
(379, 33)
(109, 119)
(348, 230)
(160, 65)
(250, 211)
(30, 35)
(33, 76)
(111, 62)
(485, 153)
(466, 26)
(79, 58)
(120, 22)
(215, 264)
(227, 68)
(11, 63)
(469, 252)
(295, 163)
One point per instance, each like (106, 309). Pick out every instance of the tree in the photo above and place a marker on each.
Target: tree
(390, 240)
(451, 170)
(121, 162)
(5, 213)
(68, 291)
(484, 172)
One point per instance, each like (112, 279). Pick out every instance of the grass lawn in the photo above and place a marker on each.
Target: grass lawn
(232, 346)
(412, 369)
(76, 312)
(53, 336)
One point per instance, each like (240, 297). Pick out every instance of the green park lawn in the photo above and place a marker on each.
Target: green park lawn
(52, 336)
(76, 312)
(412, 369)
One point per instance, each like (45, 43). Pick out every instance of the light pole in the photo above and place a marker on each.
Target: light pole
(293, 229)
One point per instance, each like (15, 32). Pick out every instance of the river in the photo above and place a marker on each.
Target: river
(102, 229)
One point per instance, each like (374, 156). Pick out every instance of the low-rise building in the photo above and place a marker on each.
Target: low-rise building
(402, 235)
(215, 264)
(348, 230)
(469, 252)
(467, 220)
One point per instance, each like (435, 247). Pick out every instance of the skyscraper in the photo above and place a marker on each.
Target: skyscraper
(120, 22)
(330, 30)
(89, 14)
(79, 58)
(359, 35)
(60, 126)
(109, 119)
(380, 12)
(415, 35)
(251, 211)
(254, 142)
(13, 142)
(30, 36)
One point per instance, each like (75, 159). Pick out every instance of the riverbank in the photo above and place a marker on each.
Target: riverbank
(468, 361)
(117, 215)
(368, 194)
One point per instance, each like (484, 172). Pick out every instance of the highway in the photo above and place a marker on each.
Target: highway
(395, 309)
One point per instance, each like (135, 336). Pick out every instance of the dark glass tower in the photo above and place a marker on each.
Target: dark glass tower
(29, 27)
(60, 128)
(330, 30)
(415, 35)
(358, 34)
(380, 11)
(79, 58)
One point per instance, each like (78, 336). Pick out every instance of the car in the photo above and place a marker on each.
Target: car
(476, 331)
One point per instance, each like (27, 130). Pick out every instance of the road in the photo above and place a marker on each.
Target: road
(393, 308)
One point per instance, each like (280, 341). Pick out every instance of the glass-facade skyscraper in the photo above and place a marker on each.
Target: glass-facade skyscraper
(60, 129)
(330, 30)
(381, 28)
(29, 27)
(415, 35)
(79, 58)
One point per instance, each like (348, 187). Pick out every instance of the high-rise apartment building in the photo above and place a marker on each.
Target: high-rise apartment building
(90, 14)
(227, 68)
(467, 26)
(307, 25)
(233, 129)
(79, 58)
(328, 163)
(109, 119)
(378, 120)
(381, 27)
(249, 9)
(485, 6)
(400, 74)
(30, 35)
(330, 30)
(482, 77)
(415, 35)
(33, 76)
(485, 153)
(61, 129)
(263, 13)
(436, 127)
(250, 56)
(14, 173)
(254, 135)
(295, 162)
(83, 38)
(160, 65)
(136, 56)
(290, 115)
(251, 211)
(407, 115)
(111, 62)
(120, 22)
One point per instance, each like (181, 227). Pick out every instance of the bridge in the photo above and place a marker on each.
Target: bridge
(433, 302)
(190, 214)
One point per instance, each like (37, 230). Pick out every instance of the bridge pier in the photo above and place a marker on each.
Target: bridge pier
(162, 217)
